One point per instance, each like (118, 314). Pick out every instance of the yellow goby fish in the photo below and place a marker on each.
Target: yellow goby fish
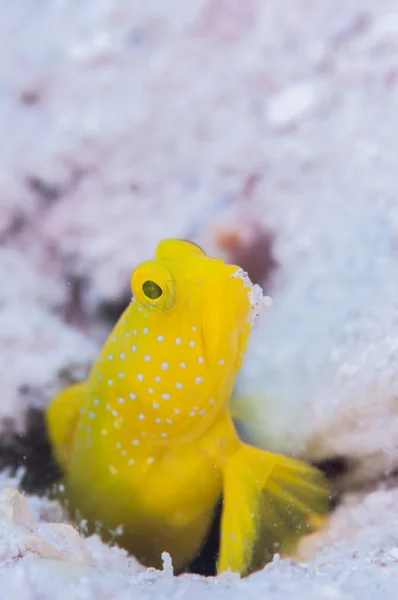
(147, 443)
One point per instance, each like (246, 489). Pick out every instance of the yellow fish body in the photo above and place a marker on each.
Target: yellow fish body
(147, 444)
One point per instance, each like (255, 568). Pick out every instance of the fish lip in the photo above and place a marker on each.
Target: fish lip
(258, 301)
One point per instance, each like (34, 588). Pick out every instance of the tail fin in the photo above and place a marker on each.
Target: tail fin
(270, 501)
(61, 417)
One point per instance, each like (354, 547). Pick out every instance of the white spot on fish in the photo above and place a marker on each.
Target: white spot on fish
(110, 356)
(193, 328)
(114, 412)
(147, 358)
(112, 470)
(150, 391)
(122, 355)
(163, 435)
(157, 420)
(132, 396)
(165, 366)
(131, 462)
(160, 338)
(166, 396)
(145, 330)
(157, 378)
(192, 343)
(140, 377)
(150, 460)
(110, 382)
(96, 401)
(221, 361)
(177, 411)
(134, 332)
(91, 415)
(169, 421)
(104, 432)
(198, 379)
(120, 375)
(88, 429)
(133, 348)
(183, 365)
(141, 417)
(178, 341)
(178, 385)
(135, 442)
(120, 400)
(201, 360)
(118, 445)
(155, 405)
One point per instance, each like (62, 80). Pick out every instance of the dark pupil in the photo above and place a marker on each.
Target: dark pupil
(152, 290)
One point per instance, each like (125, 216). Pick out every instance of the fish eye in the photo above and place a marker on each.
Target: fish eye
(153, 286)
(151, 289)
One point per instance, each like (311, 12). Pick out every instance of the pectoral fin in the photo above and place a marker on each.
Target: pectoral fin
(61, 417)
(270, 502)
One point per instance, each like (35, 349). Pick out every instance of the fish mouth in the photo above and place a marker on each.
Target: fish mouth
(258, 301)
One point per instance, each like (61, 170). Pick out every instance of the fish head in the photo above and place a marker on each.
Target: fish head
(202, 308)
